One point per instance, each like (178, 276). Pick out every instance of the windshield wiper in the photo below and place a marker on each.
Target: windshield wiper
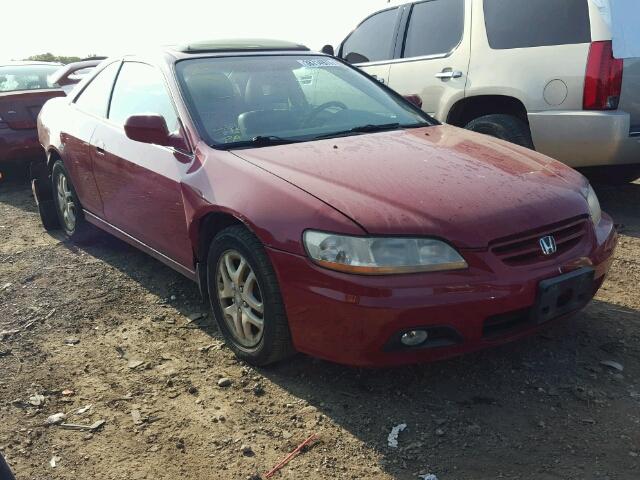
(370, 128)
(260, 141)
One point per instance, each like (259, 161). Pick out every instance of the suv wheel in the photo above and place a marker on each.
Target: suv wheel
(245, 298)
(504, 127)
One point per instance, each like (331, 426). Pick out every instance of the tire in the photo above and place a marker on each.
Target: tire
(78, 229)
(612, 174)
(46, 206)
(504, 127)
(227, 250)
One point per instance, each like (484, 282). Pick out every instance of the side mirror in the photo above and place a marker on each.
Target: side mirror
(148, 129)
(328, 50)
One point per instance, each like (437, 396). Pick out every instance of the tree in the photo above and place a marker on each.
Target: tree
(50, 57)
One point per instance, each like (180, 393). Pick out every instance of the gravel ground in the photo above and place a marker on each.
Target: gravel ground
(100, 324)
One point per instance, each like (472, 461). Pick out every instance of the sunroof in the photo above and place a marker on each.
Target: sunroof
(239, 45)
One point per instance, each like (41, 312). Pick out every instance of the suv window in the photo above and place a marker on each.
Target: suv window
(373, 40)
(536, 23)
(95, 97)
(140, 89)
(435, 28)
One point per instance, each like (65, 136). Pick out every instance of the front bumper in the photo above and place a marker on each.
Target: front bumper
(586, 138)
(353, 319)
(17, 145)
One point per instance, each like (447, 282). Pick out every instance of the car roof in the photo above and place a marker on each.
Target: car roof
(237, 46)
(28, 63)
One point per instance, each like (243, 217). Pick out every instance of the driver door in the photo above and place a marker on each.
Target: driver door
(140, 184)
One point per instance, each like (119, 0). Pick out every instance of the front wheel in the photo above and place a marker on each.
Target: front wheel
(504, 127)
(245, 298)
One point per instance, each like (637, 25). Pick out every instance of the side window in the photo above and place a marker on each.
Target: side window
(536, 23)
(435, 28)
(140, 90)
(94, 98)
(373, 40)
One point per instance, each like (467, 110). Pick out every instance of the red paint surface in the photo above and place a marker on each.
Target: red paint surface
(437, 181)
(18, 134)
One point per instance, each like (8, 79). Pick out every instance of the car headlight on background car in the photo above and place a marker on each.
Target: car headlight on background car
(381, 255)
(594, 204)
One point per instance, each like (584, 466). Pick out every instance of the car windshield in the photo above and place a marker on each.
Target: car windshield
(26, 77)
(268, 99)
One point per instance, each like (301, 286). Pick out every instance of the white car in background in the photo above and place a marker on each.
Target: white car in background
(539, 73)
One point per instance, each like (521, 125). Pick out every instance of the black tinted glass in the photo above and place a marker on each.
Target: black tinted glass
(373, 40)
(536, 23)
(435, 27)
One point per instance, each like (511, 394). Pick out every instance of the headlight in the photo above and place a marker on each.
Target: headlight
(381, 255)
(594, 205)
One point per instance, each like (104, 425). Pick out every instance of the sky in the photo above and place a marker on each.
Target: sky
(115, 27)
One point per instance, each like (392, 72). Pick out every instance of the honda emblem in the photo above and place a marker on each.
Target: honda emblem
(548, 245)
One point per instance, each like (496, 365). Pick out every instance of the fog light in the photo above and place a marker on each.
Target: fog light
(414, 338)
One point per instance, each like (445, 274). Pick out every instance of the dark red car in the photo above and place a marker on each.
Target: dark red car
(320, 211)
(24, 89)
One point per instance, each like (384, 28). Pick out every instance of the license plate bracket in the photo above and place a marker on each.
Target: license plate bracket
(563, 294)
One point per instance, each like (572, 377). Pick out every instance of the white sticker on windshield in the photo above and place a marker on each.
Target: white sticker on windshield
(319, 62)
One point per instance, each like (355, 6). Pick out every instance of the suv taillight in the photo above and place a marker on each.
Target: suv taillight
(603, 80)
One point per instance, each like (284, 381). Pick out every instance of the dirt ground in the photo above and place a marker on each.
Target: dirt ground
(120, 330)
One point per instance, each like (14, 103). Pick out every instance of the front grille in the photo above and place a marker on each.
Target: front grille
(524, 249)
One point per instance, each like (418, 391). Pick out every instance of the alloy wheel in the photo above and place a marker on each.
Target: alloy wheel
(240, 298)
(66, 203)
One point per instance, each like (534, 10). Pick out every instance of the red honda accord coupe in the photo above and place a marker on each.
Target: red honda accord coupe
(317, 209)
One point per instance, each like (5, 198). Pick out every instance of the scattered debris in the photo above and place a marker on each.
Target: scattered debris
(84, 409)
(71, 341)
(137, 416)
(289, 457)
(224, 382)
(8, 333)
(439, 432)
(206, 348)
(68, 392)
(428, 476)
(133, 364)
(56, 418)
(36, 400)
(392, 439)
(611, 364)
(54, 461)
(88, 428)
(258, 390)
(50, 314)
(5, 287)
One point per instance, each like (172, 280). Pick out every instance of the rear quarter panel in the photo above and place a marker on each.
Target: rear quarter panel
(524, 73)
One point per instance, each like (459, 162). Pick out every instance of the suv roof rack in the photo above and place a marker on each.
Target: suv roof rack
(240, 45)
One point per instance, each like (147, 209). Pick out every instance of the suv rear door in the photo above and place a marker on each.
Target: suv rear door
(371, 46)
(434, 54)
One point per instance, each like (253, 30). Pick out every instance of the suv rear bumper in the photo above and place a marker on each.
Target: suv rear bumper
(584, 138)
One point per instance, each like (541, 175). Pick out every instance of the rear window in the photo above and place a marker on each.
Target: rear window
(536, 23)
(435, 28)
(373, 40)
(26, 77)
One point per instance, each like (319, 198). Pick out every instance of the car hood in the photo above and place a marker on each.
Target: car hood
(438, 181)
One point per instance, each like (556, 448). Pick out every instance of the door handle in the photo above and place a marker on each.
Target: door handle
(448, 74)
(100, 148)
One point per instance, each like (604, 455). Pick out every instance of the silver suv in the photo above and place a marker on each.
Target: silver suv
(539, 73)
